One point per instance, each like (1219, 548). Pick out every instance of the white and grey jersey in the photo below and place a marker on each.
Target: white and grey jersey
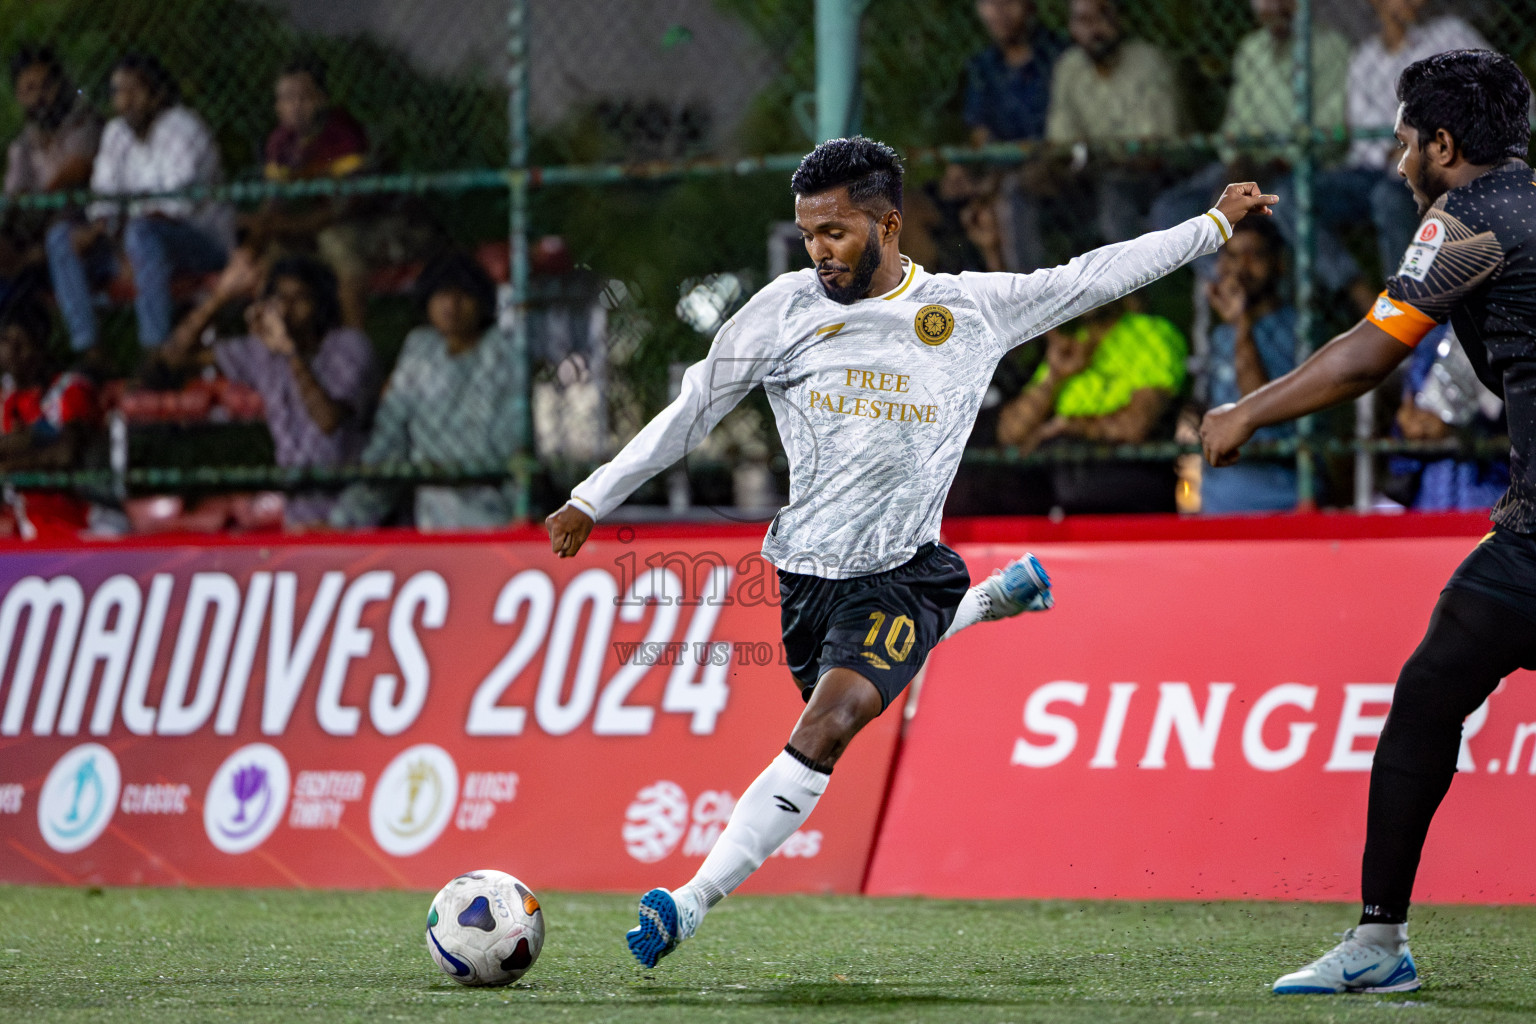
(874, 400)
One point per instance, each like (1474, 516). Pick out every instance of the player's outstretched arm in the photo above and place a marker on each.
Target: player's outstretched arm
(1024, 306)
(1347, 367)
(744, 349)
(569, 527)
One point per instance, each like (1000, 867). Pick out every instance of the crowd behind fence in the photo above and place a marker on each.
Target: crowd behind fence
(334, 266)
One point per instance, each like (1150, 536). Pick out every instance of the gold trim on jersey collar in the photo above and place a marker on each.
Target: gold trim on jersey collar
(911, 274)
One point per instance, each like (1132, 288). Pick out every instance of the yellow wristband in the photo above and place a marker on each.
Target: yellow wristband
(1222, 224)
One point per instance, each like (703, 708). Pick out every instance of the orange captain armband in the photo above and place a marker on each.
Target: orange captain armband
(1400, 320)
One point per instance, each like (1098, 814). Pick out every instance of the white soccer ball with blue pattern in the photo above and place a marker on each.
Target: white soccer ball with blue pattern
(485, 928)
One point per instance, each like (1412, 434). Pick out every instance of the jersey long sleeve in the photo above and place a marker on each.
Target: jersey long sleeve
(874, 399)
(740, 356)
(1018, 307)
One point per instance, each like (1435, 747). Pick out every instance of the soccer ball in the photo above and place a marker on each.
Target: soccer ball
(485, 928)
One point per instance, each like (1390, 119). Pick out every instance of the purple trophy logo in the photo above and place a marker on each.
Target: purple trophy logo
(248, 783)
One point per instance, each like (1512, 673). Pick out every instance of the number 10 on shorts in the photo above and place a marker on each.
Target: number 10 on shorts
(898, 639)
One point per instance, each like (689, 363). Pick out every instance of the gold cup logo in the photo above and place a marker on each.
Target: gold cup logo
(420, 777)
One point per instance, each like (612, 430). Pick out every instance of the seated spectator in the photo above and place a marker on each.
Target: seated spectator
(1110, 89)
(47, 421)
(1260, 104)
(1442, 398)
(58, 140)
(1368, 187)
(154, 144)
(317, 378)
(314, 138)
(1112, 381)
(1007, 95)
(1254, 343)
(446, 404)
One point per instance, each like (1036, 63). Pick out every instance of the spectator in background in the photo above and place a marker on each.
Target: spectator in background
(446, 404)
(47, 421)
(1112, 380)
(1254, 343)
(58, 140)
(1442, 398)
(314, 138)
(1007, 96)
(1369, 186)
(1108, 89)
(154, 144)
(317, 378)
(1260, 104)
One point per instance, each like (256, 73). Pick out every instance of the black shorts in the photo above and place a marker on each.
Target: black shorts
(882, 626)
(1502, 567)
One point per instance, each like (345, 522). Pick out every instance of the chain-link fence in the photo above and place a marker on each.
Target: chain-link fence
(636, 156)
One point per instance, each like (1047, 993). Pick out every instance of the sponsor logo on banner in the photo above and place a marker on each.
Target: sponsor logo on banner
(1192, 722)
(11, 796)
(655, 821)
(78, 798)
(413, 800)
(659, 818)
(246, 798)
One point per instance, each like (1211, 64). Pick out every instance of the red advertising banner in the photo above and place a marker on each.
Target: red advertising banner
(391, 714)
(1196, 720)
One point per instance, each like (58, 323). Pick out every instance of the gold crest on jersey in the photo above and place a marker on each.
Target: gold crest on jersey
(934, 324)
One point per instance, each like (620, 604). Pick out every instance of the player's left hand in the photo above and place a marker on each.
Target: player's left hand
(1224, 430)
(569, 527)
(1242, 198)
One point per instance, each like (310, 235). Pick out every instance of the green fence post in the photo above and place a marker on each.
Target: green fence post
(1302, 170)
(517, 237)
(837, 67)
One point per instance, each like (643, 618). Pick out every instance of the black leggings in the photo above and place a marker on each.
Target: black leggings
(1473, 642)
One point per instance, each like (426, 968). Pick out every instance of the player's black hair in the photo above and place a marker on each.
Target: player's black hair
(152, 73)
(319, 280)
(28, 55)
(28, 311)
(871, 170)
(307, 64)
(459, 272)
(1478, 96)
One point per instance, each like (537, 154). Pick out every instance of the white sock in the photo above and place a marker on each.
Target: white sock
(1386, 936)
(773, 807)
(974, 607)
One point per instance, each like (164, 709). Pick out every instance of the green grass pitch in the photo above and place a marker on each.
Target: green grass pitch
(168, 956)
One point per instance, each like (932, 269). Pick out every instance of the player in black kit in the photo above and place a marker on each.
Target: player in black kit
(1464, 133)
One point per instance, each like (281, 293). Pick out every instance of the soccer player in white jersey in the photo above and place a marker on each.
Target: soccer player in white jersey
(874, 369)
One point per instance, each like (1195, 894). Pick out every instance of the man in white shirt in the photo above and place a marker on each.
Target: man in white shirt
(1368, 185)
(875, 370)
(153, 145)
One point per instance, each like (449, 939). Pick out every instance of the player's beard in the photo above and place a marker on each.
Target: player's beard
(1425, 189)
(863, 273)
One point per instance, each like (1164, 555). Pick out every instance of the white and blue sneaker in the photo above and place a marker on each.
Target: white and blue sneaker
(1020, 586)
(666, 919)
(1357, 965)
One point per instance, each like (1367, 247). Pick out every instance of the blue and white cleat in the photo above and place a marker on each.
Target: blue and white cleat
(666, 919)
(1020, 586)
(1354, 965)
